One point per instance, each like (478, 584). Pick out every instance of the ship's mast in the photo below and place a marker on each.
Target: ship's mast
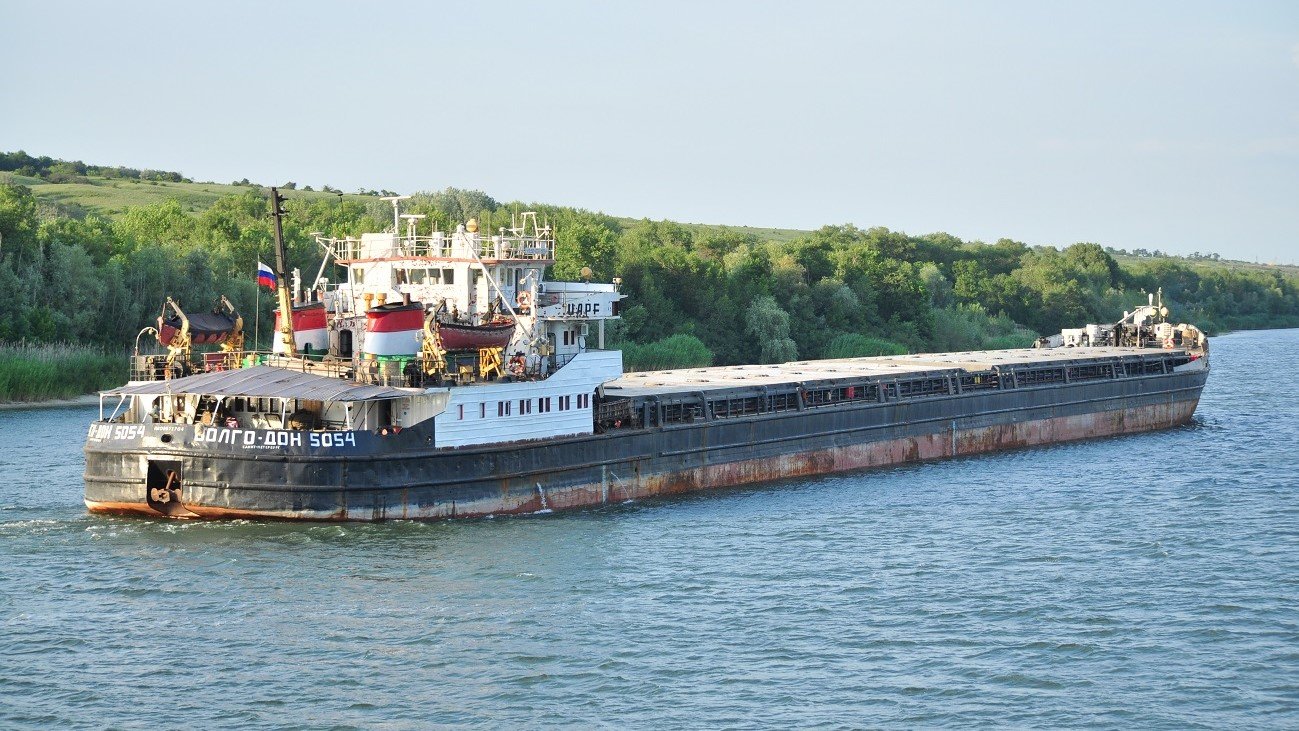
(282, 281)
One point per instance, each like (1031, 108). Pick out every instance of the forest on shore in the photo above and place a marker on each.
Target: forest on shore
(696, 294)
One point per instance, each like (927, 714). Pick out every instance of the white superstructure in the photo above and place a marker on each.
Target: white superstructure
(405, 287)
(469, 277)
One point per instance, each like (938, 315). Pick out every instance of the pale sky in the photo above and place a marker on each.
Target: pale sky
(1169, 125)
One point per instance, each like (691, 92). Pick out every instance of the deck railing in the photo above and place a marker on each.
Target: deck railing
(156, 367)
(460, 246)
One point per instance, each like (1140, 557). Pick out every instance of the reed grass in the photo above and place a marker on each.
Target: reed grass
(676, 351)
(853, 345)
(43, 371)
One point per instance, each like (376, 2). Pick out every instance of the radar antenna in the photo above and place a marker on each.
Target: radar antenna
(396, 210)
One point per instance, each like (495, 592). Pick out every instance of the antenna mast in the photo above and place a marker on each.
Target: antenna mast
(282, 282)
(396, 211)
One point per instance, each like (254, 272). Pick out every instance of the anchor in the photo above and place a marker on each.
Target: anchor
(166, 499)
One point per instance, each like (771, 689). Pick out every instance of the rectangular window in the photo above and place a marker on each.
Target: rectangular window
(565, 337)
(448, 276)
(482, 410)
(415, 276)
(462, 411)
(547, 409)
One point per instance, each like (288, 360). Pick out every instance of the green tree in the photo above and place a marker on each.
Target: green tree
(769, 325)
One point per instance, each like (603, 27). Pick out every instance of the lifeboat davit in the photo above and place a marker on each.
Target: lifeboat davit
(310, 328)
(210, 328)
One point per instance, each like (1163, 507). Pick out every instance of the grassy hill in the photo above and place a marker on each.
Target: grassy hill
(1207, 264)
(113, 196)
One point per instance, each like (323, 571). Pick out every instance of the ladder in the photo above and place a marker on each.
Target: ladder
(433, 357)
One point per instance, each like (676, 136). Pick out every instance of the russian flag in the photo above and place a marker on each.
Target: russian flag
(266, 277)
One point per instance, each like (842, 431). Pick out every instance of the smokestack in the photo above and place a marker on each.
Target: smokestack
(405, 298)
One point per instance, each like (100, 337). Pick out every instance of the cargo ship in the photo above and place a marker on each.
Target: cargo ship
(446, 377)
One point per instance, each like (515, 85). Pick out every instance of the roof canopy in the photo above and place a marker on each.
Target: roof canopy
(263, 382)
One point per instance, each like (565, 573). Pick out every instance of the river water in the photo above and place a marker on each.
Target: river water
(1148, 581)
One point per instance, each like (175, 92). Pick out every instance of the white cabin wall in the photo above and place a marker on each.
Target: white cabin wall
(472, 414)
(423, 407)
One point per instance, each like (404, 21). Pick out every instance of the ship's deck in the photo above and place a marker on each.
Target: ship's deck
(650, 383)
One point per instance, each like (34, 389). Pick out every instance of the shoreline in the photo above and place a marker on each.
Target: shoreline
(92, 399)
(89, 399)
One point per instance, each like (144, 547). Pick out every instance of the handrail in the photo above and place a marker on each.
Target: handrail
(157, 368)
(494, 248)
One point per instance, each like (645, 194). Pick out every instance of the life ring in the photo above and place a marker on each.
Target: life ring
(523, 299)
(1168, 343)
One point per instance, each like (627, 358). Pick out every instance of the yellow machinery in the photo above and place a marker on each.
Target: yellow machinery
(491, 363)
(433, 357)
(180, 332)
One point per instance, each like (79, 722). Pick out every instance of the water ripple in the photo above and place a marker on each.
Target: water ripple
(1147, 581)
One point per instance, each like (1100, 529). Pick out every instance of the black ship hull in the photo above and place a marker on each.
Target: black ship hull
(190, 471)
